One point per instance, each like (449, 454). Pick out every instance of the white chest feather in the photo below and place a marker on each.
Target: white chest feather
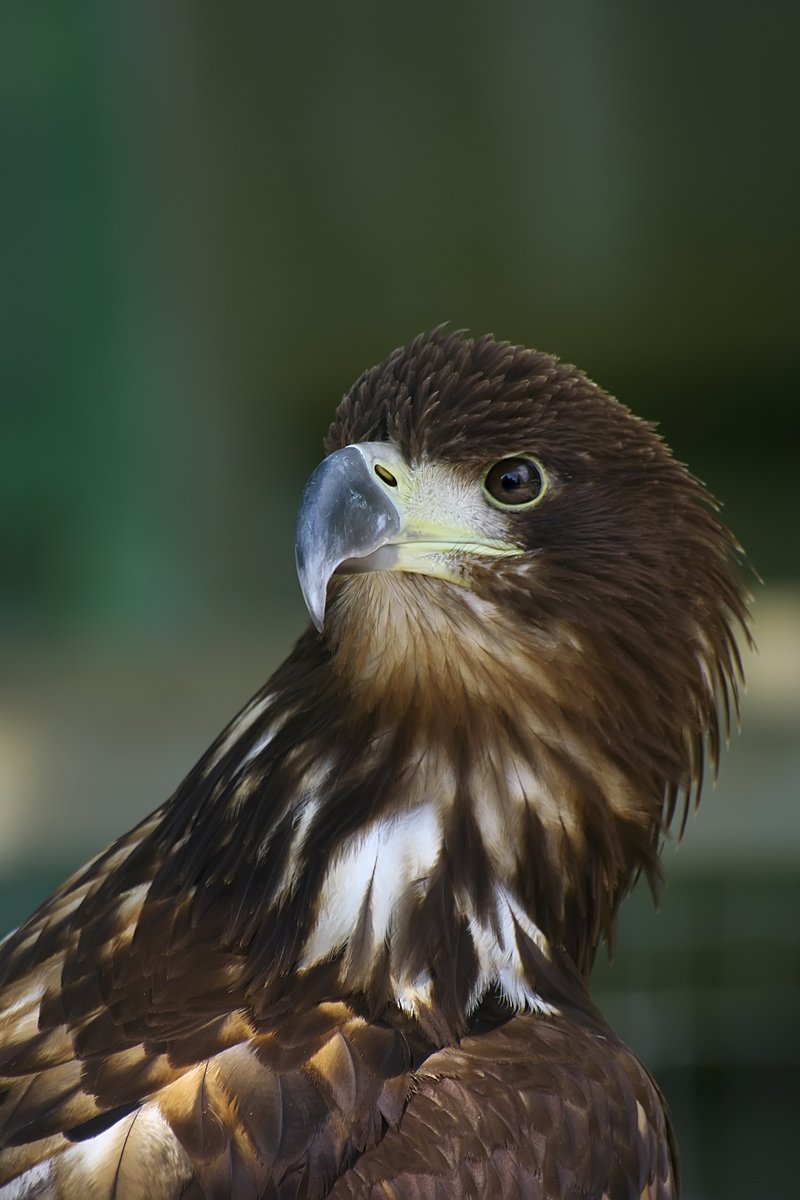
(391, 859)
(371, 886)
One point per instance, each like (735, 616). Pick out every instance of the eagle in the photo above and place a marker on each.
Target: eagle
(350, 957)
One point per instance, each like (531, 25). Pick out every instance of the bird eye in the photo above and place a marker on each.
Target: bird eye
(515, 482)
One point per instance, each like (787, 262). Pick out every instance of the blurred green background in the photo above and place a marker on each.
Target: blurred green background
(212, 218)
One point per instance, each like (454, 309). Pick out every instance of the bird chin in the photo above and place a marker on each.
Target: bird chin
(443, 560)
(385, 558)
(435, 560)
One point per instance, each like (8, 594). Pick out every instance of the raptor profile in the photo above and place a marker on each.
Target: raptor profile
(350, 957)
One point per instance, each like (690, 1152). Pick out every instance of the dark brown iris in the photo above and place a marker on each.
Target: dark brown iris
(515, 481)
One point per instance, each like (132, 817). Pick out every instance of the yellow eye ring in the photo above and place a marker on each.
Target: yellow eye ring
(517, 482)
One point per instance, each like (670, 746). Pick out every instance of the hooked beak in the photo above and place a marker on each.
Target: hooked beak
(345, 513)
(358, 514)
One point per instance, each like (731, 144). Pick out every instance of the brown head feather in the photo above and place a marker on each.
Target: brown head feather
(631, 599)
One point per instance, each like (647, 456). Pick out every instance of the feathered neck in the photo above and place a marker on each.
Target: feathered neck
(429, 826)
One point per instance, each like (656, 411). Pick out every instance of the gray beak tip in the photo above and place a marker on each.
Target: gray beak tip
(314, 596)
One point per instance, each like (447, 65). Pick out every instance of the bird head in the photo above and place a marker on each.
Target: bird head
(495, 543)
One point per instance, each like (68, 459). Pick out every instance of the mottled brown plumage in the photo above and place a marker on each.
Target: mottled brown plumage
(350, 956)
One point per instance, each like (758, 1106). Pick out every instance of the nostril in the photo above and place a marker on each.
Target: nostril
(387, 476)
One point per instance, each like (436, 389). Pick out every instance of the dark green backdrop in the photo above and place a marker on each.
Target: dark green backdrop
(212, 217)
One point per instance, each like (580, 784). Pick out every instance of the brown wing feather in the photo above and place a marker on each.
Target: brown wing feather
(540, 1108)
(137, 1060)
(238, 1105)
